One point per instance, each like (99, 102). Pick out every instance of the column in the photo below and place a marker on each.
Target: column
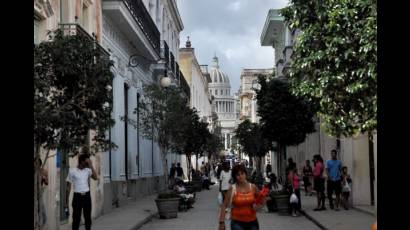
(226, 141)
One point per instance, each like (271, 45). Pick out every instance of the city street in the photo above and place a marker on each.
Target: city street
(204, 216)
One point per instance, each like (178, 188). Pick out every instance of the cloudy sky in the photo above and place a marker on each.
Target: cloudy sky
(231, 29)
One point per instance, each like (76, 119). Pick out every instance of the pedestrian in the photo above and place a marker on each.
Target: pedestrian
(203, 169)
(293, 177)
(268, 169)
(319, 182)
(241, 197)
(172, 172)
(180, 172)
(79, 177)
(274, 186)
(334, 167)
(218, 171)
(307, 175)
(291, 165)
(38, 163)
(224, 179)
(346, 187)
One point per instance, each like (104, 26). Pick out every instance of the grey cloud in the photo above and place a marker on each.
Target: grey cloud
(230, 29)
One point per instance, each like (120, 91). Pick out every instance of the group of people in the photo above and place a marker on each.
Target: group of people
(338, 182)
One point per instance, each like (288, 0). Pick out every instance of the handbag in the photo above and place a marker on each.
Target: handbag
(229, 209)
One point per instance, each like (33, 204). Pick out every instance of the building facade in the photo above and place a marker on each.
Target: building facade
(142, 37)
(357, 153)
(225, 106)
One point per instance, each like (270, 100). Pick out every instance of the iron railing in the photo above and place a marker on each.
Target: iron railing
(165, 52)
(73, 29)
(145, 22)
(172, 62)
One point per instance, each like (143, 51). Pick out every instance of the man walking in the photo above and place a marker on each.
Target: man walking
(80, 178)
(172, 175)
(180, 172)
(268, 169)
(334, 167)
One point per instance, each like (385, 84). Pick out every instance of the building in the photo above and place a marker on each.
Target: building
(201, 100)
(225, 105)
(81, 18)
(249, 80)
(357, 153)
(142, 37)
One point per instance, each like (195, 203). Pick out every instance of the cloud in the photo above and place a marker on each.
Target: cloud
(231, 29)
(234, 6)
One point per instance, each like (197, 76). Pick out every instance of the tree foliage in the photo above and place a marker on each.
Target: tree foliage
(335, 61)
(285, 118)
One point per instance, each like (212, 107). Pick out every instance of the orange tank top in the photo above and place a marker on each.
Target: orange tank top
(242, 209)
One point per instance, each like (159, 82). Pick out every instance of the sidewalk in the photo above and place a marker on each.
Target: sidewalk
(351, 219)
(129, 217)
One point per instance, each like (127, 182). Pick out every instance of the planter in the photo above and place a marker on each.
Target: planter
(282, 203)
(167, 208)
(197, 185)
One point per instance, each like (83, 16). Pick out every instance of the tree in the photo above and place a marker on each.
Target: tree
(285, 118)
(252, 140)
(72, 95)
(163, 112)
(335, 61)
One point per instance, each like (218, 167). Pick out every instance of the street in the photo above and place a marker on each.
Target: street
(204, 216)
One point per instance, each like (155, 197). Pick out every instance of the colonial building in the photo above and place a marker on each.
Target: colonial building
(197, 80)
(142, 37)
(83, 18)
(357, 153)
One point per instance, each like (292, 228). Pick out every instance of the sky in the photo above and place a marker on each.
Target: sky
(232, 30)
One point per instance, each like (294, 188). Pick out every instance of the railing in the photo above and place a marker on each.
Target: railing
(165, 52)
(177, 72)
(184, 85)
(172, 62)
(73, 29)
(145, 22)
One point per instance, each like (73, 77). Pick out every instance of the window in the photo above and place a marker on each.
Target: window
(222, 92)
(36, 31)
(216, 92)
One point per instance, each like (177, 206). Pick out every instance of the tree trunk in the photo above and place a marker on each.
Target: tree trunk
(196, 162)
(164, 163)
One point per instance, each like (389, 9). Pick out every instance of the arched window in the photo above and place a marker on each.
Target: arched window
(222, 92)
(215, 78)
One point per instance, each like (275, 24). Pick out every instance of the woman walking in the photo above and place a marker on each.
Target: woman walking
(293, 178)
(225, 178)
(241, 197)
(307, 175)
(319, 182)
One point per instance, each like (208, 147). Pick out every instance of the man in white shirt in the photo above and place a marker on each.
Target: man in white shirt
(80, 178)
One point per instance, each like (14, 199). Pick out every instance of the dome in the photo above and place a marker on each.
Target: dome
(216, 74)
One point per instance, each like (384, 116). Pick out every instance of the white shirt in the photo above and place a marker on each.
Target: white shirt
(80, 179)
(225, 177)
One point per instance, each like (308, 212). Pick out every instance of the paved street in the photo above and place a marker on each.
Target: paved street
(204, 217)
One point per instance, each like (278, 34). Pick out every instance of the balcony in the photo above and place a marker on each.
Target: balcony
(172, 62)
(165, 52)
(132, 19)
(74, 29)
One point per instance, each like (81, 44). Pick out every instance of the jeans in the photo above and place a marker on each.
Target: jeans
(81, 203)
(239, 225)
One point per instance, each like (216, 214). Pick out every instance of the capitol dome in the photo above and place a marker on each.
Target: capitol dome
(216, 74)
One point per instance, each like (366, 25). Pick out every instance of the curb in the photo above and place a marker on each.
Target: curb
(313, 220)
(144, 221)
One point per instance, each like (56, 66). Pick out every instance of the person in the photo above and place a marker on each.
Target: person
(295, 188)
(291, 165)
(180, 172)
(319, 182)
(268, 169)
(203, 169)
(224, 179)
(218, 171)
(172, 174)
(274, 186)
(346, 187)
(243, 207)
(79, 177)
(205, 182)
(43, 176)
(307, 174)
(334, 167)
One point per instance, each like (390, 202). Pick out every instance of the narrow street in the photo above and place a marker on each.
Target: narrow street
(204, 216)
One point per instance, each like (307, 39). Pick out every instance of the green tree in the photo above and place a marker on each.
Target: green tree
(72, 95)
(252, 140)
(284, 118)
(335, 61)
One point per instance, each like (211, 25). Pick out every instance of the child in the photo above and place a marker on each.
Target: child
(346, 187)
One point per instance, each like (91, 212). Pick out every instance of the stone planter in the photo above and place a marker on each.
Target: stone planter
(282, 203)
(167, 208)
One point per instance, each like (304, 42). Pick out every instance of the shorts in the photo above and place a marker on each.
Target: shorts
(334, 186)
(319, 184)
(239, 225)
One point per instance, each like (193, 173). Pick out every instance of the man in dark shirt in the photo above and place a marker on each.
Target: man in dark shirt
(180, 171)
(172, 174)
(268, 169)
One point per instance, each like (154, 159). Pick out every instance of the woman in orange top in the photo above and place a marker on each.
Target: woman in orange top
(243, 209)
